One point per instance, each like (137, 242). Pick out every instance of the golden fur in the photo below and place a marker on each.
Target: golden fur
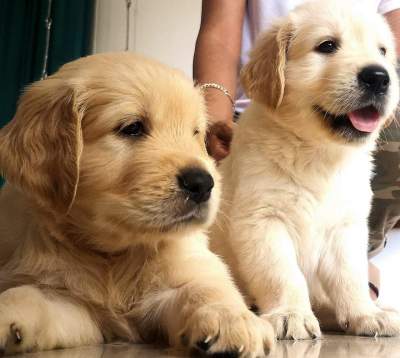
(96, 240)
(296, 191)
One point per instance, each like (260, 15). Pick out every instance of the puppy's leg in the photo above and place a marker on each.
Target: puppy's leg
(33, 320)
(203, 310)
(267, 264)
(344, 274)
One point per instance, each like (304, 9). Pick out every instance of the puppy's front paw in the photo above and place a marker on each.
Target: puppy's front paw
(294, 325)
(22, 320)
(220, 331)
(377, 322)
(16, 337)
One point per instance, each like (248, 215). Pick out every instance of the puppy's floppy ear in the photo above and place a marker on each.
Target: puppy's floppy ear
(41, 147)
(263, 77)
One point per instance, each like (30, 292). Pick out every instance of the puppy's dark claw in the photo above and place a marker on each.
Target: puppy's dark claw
(255, 310)
(205, 344)
(16, 334)
(346, 325)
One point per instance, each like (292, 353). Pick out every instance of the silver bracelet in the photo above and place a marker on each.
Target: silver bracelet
(222, 89)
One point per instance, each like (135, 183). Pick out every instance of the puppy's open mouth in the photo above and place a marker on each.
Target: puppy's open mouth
(364, 120)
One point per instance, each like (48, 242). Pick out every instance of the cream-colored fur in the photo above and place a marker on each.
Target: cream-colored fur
(97, 240)
(296, 197)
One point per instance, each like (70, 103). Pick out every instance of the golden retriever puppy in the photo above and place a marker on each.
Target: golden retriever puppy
(296, 198)
(104, 217)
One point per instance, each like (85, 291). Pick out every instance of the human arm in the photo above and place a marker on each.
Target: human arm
(216, 60)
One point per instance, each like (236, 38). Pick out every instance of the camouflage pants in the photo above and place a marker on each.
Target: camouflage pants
(385, 211)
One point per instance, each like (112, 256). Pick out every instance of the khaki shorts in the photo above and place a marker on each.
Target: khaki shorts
(385, 211)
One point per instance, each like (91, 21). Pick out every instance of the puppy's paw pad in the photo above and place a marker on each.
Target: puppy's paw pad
(294, 325)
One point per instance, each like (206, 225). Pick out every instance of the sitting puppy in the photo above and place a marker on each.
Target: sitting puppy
(102, 224)
(296, 198)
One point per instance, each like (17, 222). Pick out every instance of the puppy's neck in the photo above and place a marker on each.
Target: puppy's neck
(295, 149)
(283, 123)
(92, 232)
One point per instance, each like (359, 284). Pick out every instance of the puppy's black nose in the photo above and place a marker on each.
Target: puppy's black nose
(197, 183)
(374, 78)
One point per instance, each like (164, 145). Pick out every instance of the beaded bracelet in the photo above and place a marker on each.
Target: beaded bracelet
(222, 89)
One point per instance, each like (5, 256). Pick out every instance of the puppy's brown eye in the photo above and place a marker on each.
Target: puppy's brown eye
(329, 46)
(135, 129)
(382, 51)
(196, 132)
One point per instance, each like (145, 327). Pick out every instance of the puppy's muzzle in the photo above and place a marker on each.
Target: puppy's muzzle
(196, 183)
(374, 79)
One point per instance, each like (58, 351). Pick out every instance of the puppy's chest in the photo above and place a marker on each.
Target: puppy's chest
(337, 200)
(323, 211)
(123, 283)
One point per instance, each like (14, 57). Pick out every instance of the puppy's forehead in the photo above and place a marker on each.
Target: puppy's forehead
(124, 86)
(159, 91)
(172, 99)
(354, 22)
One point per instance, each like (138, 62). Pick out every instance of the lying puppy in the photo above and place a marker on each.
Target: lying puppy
(102, 224)
(296, 198)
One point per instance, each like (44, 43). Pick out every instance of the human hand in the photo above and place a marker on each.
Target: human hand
(219, 137)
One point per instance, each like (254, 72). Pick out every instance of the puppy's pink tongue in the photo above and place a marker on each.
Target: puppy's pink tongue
(365, 119)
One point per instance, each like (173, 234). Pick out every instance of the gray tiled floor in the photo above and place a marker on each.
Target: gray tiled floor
(331, 346)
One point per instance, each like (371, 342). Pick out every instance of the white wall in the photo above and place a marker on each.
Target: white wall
(162, 29)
